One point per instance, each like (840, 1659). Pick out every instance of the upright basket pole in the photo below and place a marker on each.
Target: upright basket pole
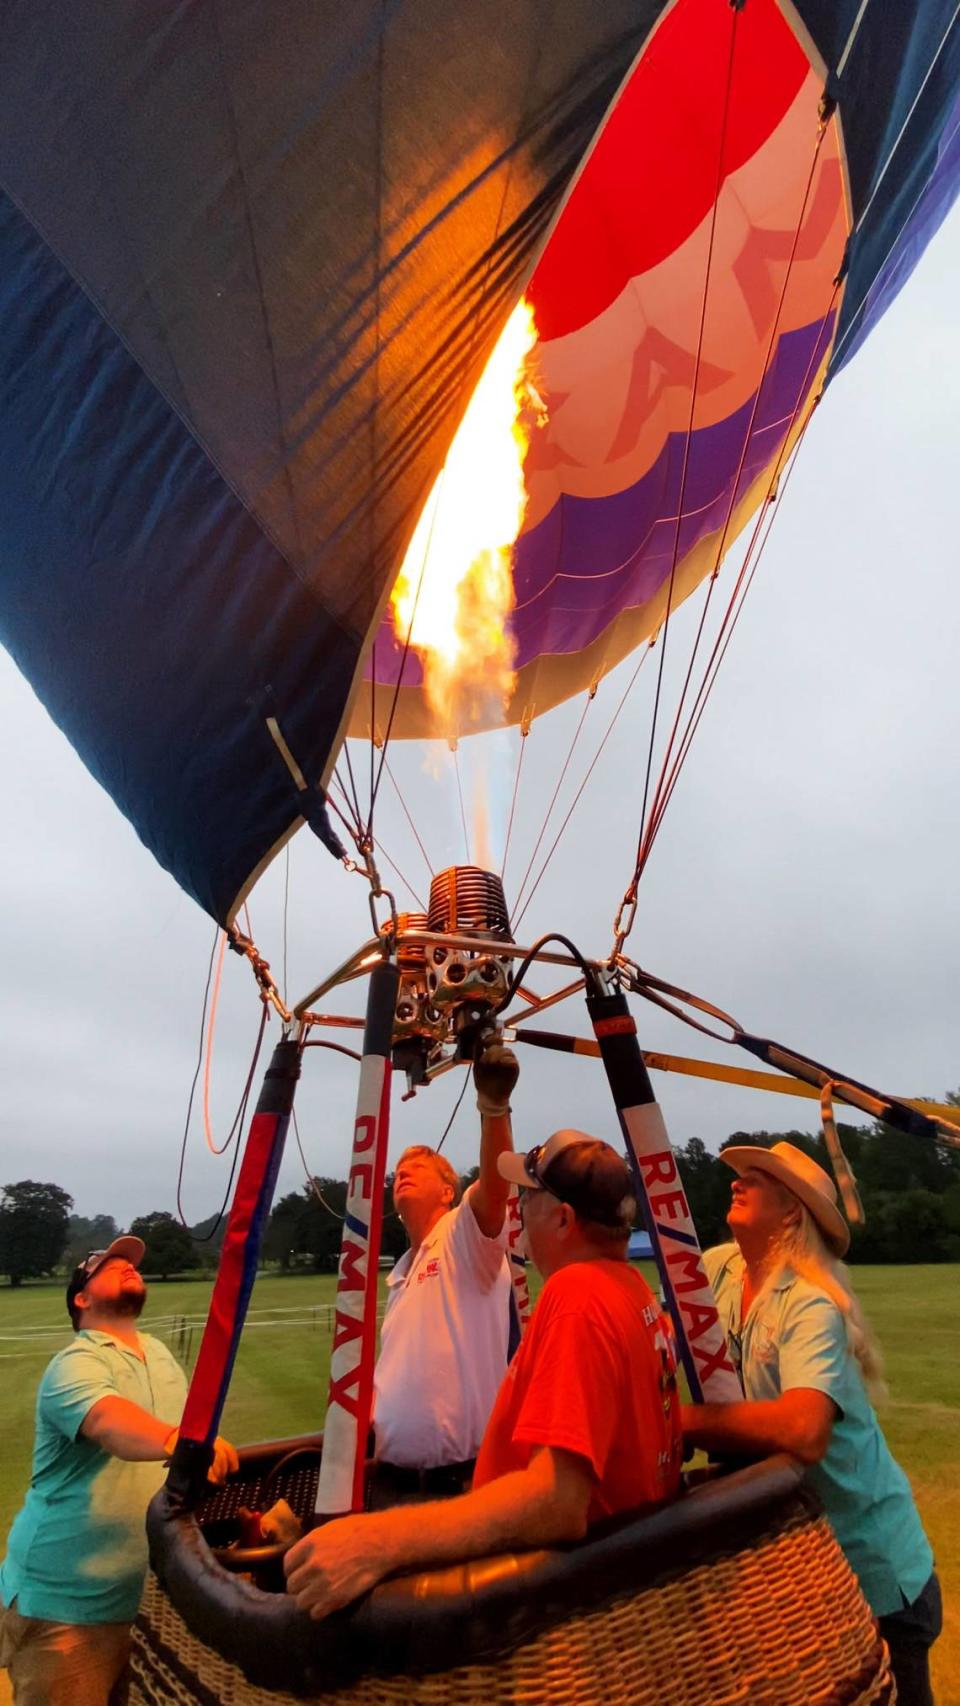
(236, 1273)
(350, 1399)
(520, 1293)
(666, 1212)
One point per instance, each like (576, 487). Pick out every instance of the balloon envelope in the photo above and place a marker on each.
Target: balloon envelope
(254, 259)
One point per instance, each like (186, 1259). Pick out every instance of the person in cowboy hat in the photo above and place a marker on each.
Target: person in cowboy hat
(807, 1358)
(586, 1423)
(106, 1422)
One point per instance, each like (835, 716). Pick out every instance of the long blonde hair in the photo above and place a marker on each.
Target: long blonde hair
(801, 1247)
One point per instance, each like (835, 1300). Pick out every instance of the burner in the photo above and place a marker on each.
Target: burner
(465, 900)
(449, 994)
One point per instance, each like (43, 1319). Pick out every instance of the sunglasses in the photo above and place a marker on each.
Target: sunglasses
(538, 1186)
(95, 1260)
(531, 1165)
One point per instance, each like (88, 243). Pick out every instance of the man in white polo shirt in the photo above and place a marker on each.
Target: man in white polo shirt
(446, 1328)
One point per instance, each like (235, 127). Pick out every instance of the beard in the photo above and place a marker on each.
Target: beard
(129, 1301)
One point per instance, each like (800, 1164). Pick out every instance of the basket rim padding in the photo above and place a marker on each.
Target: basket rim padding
(465, 1613)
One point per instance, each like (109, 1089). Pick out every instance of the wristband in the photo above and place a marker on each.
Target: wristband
(492, 1109)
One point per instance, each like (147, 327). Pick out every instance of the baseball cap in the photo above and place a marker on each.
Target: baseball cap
(580, 1170)
(127, 1247)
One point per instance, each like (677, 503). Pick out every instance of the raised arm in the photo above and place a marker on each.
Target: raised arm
(542, 1505)
(495, 1074)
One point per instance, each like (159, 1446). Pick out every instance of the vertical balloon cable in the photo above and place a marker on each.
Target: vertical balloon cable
(406, 813)
(463, 813)
(211, 1026)
(398, 873)
(286, 906)
(408, 640)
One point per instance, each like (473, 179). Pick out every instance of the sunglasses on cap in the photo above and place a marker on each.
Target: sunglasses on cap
(531, 1166)
(578, 1193)
(88, 1267)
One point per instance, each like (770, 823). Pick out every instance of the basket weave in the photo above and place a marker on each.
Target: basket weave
(782, 1623)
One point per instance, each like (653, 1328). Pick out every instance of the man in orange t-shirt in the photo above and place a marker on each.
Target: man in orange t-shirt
(587, 1421)
(594, 1375)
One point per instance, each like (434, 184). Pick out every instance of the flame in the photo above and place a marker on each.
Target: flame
(456, 583)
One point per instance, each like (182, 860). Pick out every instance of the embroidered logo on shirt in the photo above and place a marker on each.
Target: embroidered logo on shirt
(430, 1270)
(764, 1345)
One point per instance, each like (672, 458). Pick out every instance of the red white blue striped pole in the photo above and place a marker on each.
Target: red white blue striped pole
(350, 1399)
(516, 1255)
(236, 1272)
(666, 1212)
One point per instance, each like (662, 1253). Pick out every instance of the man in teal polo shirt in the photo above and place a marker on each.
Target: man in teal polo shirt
(106, 1421)
(796, 1331)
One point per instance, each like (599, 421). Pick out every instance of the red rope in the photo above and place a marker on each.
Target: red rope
(577, 796)
(765, 515)
(771, 341)
(214, 1002)
(689, 435)
(707, 686)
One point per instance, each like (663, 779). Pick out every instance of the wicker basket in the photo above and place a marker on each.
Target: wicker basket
(779, 1620)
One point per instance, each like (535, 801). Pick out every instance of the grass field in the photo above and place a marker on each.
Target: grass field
(279, 1388)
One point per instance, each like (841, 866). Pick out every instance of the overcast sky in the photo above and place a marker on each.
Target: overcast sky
(805, 878)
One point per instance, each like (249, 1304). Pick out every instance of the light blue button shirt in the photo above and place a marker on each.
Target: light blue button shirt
(77, 1551)
(795, 1336)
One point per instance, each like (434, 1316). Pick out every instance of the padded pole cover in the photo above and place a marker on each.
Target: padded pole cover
(520, 1293)
(666, 1212)
(236, 1272)
(350, 1399)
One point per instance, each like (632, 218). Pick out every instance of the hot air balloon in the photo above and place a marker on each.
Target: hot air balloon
(256, 263)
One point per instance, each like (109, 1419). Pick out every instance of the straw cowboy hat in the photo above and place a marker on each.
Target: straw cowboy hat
(798, 1174)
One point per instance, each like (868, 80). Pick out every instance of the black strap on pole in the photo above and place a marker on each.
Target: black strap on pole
(666, 1213)
(890, 1109)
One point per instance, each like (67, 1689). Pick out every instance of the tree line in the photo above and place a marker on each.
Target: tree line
(40, 1236)
(910, 1188)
